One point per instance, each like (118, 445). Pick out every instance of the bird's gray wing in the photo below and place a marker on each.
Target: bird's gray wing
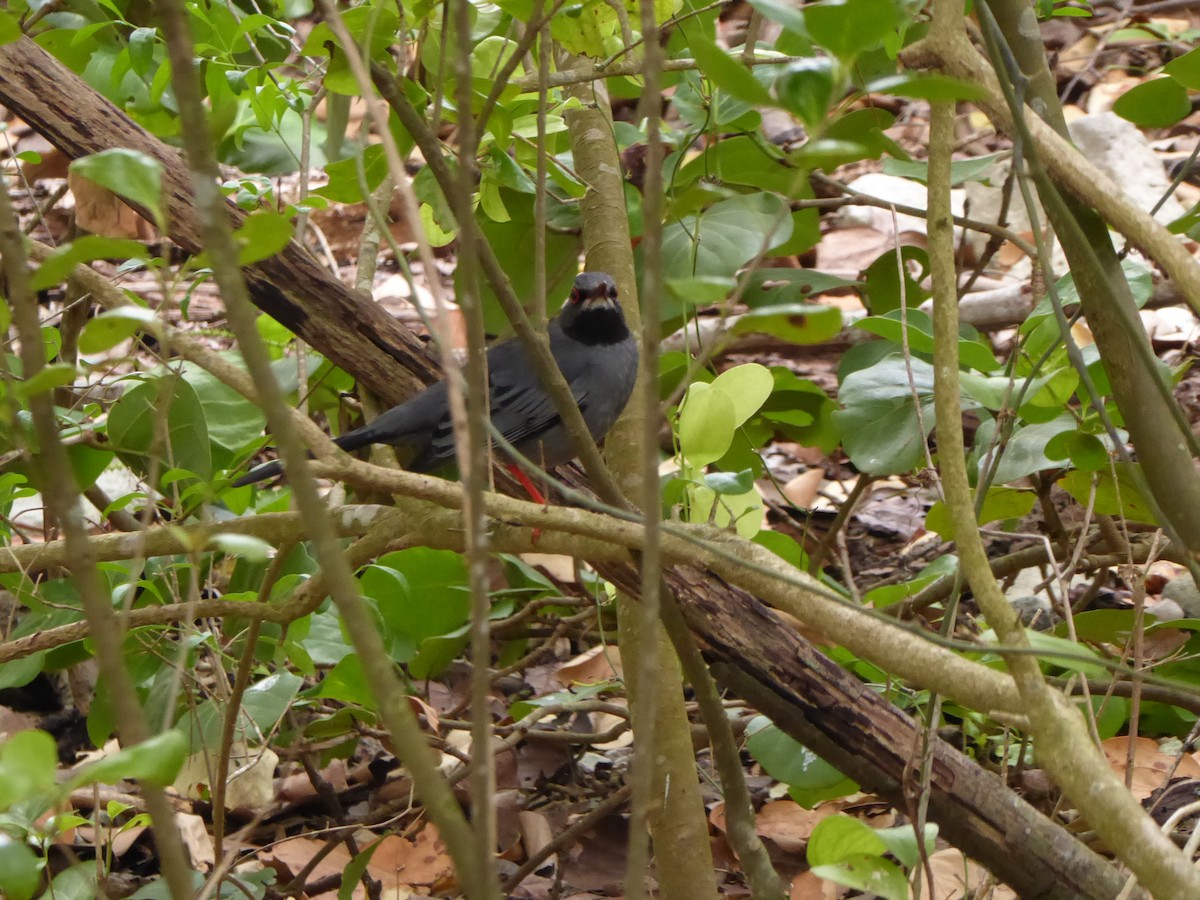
(520, 407)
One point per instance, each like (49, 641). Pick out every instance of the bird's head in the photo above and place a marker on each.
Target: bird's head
(592, 314)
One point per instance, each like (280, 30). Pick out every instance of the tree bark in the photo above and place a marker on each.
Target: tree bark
(290, 286)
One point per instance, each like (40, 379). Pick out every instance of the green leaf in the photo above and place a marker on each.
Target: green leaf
(810, 779)
(48, 378)
(806, 89)
(584, 28)
(245, 546)
(1186, 69)
(115, 325)
(347, 682)
(895, 593)
(880, 428)
(848, 27)
(839, 838)
(20, 873)
(891, 327)
(133, 424)
(798, 323)
(726, 73)
(130, 174)
(730, 482)
(747, 386)
(420, 594)
(779, 287)
(1158, 103)
(743, 160)
(1025, 451)
(28, 761)
(1067, 654)
(10, 30)
(703, 291)
(1000, 503)
(873, 875)
(266, 701)
(1119, 497)
(960, 169)
(262, 235)
(723, 239)
(782, 12)
(59, 264)
(156, 761)
(345, 184)
(922, 86)
(883, 287)
(1085, 451)
(355, 869)
(706, 425)
(232, 421)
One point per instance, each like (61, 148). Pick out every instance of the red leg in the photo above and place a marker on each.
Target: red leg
(534, 494)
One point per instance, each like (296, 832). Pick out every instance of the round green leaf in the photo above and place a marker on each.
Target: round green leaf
(10, 30)
(703, 291)
(795, 765)
(19, 873)
(747, 386)
(1158, 103)
(730, 482)
(48, 378)
(805, 89)
(841, 837)
(130, 174)
(921, 86)
(155, 761)
(1186, 69)
(246, 546)
(798, 323)
(871, 874)
(706, 425)
(27, 763)
(262, 235)
(848, 27)
(113, 326)
(725, 237)
(725, 72)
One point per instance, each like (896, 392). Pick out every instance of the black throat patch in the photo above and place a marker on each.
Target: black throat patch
(597, 326)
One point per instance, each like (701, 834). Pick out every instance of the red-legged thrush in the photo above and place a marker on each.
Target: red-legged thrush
(595, 352)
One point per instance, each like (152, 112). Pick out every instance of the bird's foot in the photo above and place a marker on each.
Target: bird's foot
(534, 494)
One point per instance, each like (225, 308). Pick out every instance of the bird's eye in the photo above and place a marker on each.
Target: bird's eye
(574, 295)
(612, 291)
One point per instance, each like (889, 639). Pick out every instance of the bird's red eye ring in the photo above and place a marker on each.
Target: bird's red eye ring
(575, 296)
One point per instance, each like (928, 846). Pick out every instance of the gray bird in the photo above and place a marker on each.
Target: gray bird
(595, 352)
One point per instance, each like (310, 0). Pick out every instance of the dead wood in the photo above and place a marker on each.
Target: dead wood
(290, 286)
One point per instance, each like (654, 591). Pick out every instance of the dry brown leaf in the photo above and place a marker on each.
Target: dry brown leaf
(789, 825)
(422, 861)
(536, 833)
(954, 875)
(289, 857)
(600, 663)
(1074, 59)
(1150, 764)
(802, 490)
(807, 886)
(197, 840)
(560, 567)
(100, 211)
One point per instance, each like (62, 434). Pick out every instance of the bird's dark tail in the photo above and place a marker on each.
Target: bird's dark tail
(349, 442)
